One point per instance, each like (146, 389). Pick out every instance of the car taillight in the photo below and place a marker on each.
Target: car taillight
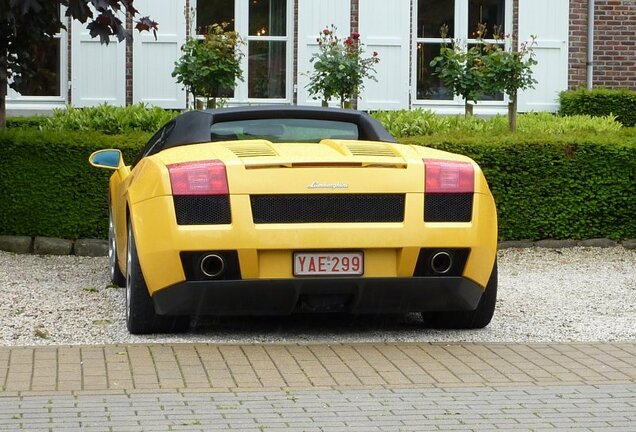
(449, 176)
(198, 178)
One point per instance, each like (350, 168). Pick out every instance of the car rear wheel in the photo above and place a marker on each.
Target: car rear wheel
(140, 311)
(479, 318)
(116, 275)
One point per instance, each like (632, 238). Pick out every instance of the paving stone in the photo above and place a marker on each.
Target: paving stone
(512, 244)
(556, 404)
(629, 244)
(434, 412)
(555, 244)
(91, 247)
(598, 242)
(52, 246)
(16, 244)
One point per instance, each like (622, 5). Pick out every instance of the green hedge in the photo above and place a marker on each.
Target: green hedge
(599, 103)
(559, 187)
(546, 186)
(49, 188)
(109, 119)
(418, 122)
(27, 121)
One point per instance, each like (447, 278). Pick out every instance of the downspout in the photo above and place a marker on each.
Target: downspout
(590, 44)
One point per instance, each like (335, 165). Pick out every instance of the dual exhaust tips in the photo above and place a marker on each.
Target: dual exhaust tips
(213, 265)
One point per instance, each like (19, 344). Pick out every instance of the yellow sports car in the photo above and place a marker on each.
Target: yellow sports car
(276, 210)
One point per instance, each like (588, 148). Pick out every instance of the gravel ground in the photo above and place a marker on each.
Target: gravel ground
(545, 295)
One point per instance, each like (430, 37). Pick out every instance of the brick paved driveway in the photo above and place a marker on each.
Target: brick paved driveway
(352, 387)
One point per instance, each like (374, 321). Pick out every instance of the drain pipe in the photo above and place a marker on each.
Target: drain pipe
(590, 44)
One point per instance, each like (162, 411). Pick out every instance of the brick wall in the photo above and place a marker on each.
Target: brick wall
(614, 44)
(69, 77)
(514, 32)
(129, 62)
(295, 62)
(577, 73)
(355, 8)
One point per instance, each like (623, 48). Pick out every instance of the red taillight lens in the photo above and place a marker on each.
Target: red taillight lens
(449, 177)
(198, 178)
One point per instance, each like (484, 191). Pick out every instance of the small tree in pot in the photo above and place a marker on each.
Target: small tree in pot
(340, 68)
(509, 71)
(461, 69)
(486, 69)
(209, 66)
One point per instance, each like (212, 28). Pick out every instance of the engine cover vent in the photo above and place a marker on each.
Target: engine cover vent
(252, 150)
(381, 150)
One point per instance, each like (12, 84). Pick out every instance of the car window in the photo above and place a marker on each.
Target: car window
(283, 130)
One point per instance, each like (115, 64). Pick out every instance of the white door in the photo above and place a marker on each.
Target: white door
(384, 27)
(548, 20)
(153, 60)
(98, 72)
(313, 17)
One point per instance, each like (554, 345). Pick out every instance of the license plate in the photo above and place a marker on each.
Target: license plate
(328, 264)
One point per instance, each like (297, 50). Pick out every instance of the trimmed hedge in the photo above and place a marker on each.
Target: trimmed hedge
(49, 188)
(560, 187)
(546, 186)
(27, 121)
(109, 119)
(418, 122)
(599, 103)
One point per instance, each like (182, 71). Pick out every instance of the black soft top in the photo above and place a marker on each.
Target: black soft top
(193, 127)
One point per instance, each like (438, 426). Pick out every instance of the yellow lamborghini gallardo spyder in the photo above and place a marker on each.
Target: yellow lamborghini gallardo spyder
(277, 210)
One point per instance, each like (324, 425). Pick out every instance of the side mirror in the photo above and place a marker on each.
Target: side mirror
(109, 159)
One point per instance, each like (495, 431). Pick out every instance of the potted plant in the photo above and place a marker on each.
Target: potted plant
(340, 68)
(210, 66)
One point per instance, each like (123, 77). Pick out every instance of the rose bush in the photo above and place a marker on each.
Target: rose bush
(210, 66)
(473, 71)
(339, 67)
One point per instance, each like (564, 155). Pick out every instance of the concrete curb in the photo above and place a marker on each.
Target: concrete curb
(97, 247)
(563, 244)
(53, 246)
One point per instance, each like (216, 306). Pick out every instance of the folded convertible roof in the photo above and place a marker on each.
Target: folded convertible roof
(193, 127)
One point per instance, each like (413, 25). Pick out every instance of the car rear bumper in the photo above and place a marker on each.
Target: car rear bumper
(265, 251)
(286, 296)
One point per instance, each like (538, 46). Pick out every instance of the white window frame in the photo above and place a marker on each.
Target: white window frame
(15, 101)
(241, 26)
(456, 105)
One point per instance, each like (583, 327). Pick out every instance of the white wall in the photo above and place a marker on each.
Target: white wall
(153, 59)
(313, 17)
(548, 20)
(391, 90)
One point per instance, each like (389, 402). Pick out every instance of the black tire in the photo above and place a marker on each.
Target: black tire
(479, 318)
(140, 311)
(117, 277)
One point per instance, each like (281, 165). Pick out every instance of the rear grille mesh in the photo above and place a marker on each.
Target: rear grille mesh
(327, 208)
(202, 210)
(453, 207)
